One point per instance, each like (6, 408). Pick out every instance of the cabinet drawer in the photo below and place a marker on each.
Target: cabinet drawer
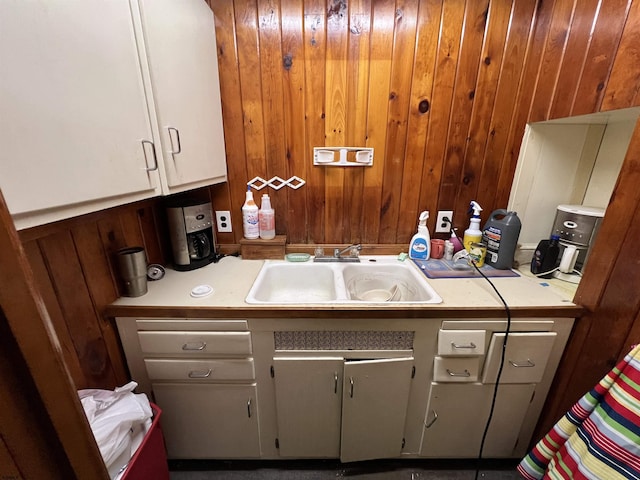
(525, 357)
(200, 370)
(195, 343)
(449, 369)
(461, 342)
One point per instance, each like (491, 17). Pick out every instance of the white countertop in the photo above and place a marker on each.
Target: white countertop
(232, 278)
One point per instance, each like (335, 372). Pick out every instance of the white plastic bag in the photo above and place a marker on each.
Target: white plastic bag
(116, 417)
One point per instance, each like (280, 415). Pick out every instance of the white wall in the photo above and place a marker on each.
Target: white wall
(568, 161)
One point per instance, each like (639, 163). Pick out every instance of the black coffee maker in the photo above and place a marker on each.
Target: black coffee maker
(191, 231)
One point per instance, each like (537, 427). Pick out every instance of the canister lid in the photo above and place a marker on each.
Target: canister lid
(201, 291)
(582, 210)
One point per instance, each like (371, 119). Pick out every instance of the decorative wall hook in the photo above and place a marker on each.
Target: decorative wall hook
(258, 183)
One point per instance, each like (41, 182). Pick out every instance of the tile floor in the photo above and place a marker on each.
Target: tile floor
(325, 470)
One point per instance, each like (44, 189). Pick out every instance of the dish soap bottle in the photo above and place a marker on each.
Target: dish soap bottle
(250, 225)
(473, 233)
(420, 245)
(267, 219)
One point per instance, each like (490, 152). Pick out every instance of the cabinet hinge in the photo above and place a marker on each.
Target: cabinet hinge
(413, 372)
(277, 443)
(403, 443)
(273, 372)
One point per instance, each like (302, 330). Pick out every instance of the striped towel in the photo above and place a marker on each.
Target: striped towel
(599, 438)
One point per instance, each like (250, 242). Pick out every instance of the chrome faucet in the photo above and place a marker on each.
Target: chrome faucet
(352, 249)
(339, 255)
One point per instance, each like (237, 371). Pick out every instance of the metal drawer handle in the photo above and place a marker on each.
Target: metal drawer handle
(335, 382)
(351, 387)
(197, 346)
(249, 408)
(169, 129)
(155, 157)
(454, 374)
(435, 417)
(200, 374)
(457, 345)
(521, 365)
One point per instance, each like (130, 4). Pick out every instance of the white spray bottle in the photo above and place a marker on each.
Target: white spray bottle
(473, 234)
(420, 246)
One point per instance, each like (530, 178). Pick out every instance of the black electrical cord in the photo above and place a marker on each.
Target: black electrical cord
(502, 356)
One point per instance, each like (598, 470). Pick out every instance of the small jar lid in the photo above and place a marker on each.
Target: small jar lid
(200, 291)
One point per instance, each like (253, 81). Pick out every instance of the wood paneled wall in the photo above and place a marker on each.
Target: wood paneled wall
(429, 85)
(441, 89)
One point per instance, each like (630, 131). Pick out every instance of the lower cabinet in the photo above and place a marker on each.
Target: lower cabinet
(209, 420)
(457, 415)
(333, 407)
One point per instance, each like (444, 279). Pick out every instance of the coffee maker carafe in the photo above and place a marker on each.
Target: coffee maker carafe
(191, 230)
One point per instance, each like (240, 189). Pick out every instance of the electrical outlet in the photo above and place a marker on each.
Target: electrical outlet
(443, 226)
(223, 221)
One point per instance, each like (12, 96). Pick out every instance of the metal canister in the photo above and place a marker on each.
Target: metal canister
(477, 252)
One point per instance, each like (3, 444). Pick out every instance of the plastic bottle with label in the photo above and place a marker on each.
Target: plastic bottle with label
(267, 219)
(500, 235)
(250, 221)
(420, 246)
(473, 233)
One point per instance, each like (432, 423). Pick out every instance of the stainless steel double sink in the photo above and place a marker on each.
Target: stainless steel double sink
(376, 279)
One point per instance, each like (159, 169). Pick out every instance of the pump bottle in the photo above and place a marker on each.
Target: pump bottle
(420, 246)
(267, 219)
(473, 234)
(250, 223)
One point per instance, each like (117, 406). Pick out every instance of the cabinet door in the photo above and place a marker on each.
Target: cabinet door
(376, 394)
(308, 406)
(209, 421)
(457, 415)
(181, 50)
(74, 112)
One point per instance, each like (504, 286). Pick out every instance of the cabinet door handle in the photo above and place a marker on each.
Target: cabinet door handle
(460, 346)
(155, 157)
(435, 417)
(335, 382)
(527, 364)
(351, 387)
(200, 374)
(170, 129)
(249, 408)
(456, 374)
(195, 346)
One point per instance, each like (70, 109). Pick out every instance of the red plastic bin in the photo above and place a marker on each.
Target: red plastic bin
(150, 460)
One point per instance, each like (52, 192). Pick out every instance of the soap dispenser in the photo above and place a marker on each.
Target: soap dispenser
(420, 246)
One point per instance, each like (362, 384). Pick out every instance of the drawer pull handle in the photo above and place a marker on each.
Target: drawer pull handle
(351, 387)
(455, 374)
(435, 417)
(471, 345)
(335, 382)
(201, 374)
(249, 408)
(195, 346)
(170, 129)
(528, 364)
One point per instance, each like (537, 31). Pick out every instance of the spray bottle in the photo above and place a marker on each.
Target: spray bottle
(473, 234)
(420, 246)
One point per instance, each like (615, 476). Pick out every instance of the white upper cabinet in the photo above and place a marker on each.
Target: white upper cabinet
(78, 111)
(181, 53)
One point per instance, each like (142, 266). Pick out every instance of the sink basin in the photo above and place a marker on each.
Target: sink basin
(399, 282)
(377, 279)
(285, 282)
